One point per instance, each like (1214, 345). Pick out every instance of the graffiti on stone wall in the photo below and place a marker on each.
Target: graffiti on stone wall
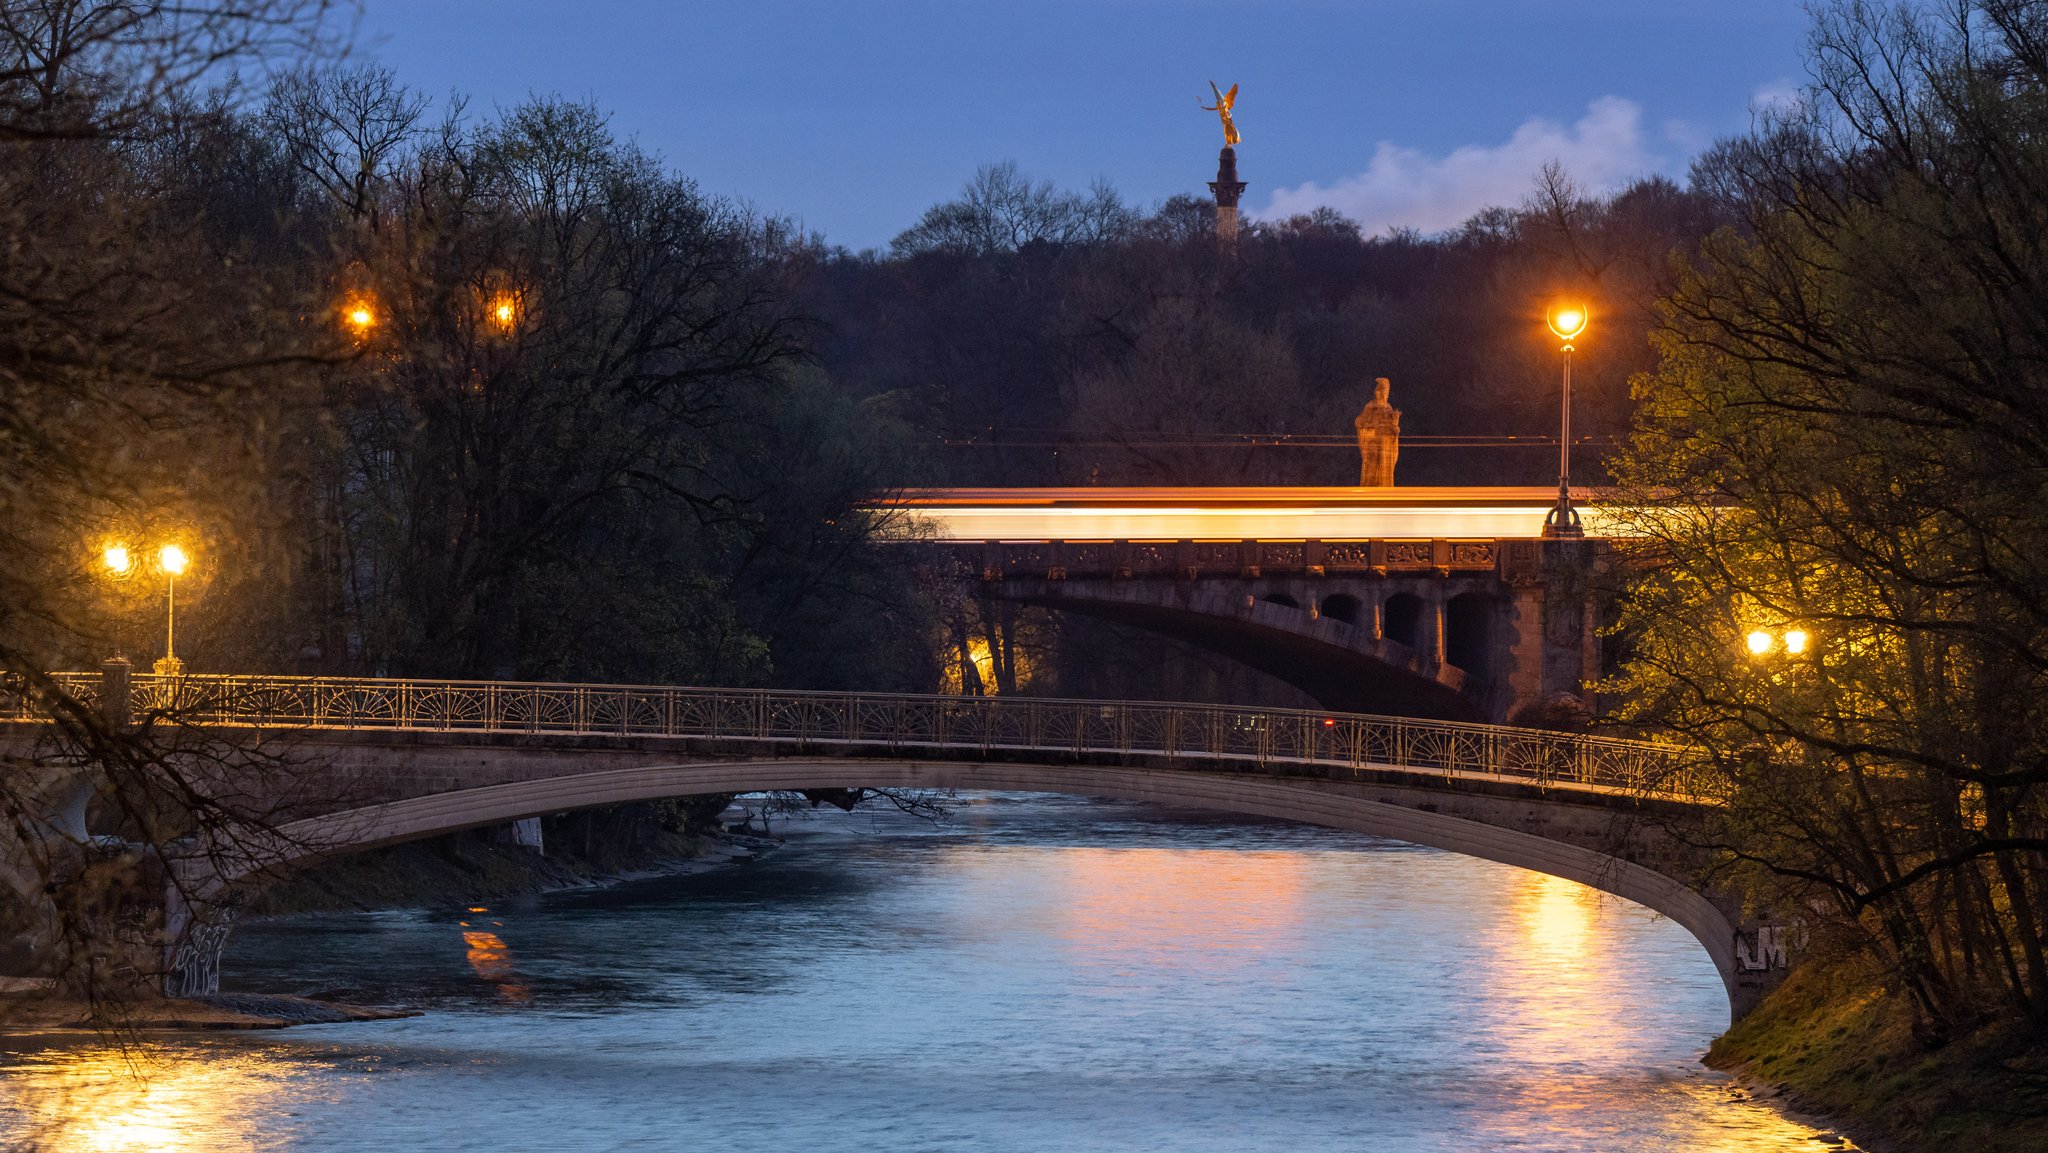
(1763, 949)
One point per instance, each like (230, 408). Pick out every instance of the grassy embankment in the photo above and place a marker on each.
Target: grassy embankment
(1837, 1042)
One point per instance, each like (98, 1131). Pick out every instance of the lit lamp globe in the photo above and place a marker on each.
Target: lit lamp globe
(1568, 321)
(1762, 643)
(117, 560)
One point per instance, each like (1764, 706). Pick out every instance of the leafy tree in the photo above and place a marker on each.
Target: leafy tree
(1849, 428)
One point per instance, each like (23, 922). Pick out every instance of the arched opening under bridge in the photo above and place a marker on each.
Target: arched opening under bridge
(1326, 803)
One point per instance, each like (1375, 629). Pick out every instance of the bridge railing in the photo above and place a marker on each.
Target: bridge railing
(911, 723)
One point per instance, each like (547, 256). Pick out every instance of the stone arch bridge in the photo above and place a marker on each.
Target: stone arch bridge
(1443, 602)
(378, 762)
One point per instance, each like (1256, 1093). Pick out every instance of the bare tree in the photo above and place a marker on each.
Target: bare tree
(138, 369)
(1849, 413)
(1001, 210)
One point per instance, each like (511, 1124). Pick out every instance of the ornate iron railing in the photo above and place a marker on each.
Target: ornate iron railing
(904, 723)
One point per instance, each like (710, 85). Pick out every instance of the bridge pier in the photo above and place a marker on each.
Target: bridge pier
(195, 935)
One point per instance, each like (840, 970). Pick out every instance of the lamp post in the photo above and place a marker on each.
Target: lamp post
(1567, 321)
(172, 561)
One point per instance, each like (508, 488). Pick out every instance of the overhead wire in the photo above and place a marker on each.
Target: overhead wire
(1054, 438)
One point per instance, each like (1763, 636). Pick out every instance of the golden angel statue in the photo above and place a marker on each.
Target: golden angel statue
(1223, 102)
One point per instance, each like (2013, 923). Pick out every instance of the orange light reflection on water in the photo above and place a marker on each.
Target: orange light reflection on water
(1556, 918)
(1551, 969)
(1179, 907)
(492, 960)
(114, 1100)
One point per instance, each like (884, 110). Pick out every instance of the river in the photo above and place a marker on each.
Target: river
(1034, 974)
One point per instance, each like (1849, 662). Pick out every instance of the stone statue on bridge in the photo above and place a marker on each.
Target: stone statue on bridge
(1379, 438)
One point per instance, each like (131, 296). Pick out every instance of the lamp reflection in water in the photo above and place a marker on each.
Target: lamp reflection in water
(1552, 971)
(115, 1099)
(1557, 919)
(1176, 908)
(492, 960)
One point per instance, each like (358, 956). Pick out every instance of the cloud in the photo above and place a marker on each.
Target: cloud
(1777, 96)
(1405, 188)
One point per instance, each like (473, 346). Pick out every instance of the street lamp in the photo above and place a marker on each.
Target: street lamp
(503, 311)
(1762, 642)
(359, 316)
(1567, 321)
(172, 561)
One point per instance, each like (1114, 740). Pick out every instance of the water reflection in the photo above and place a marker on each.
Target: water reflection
(1055, 975)
(490, 958)
(1177, 907)
(1556, 999)
(1557, 917)
(111, 1099)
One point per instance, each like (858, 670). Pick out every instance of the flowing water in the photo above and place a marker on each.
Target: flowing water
(1035, 974)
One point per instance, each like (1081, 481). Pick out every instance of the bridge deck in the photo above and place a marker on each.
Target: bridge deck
(1231, 514)
(896, 724)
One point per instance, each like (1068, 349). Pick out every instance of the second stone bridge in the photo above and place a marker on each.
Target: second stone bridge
(1441, 602)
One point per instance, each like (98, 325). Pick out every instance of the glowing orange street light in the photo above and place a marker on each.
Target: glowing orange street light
(172, 561)
(360, 316)
(504, 311)
(1567, 321)
(1763, 642)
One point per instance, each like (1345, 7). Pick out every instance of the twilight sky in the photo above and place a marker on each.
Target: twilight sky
(856, 115)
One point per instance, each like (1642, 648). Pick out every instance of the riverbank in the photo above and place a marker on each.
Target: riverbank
(230, 1011)
(1835, 1043)
(593, 850)
(580, 850)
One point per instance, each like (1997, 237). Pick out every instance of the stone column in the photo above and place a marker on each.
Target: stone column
(527, 833)
(1589, 649)
(1228, 189)
(114, 698)
(1435, 639)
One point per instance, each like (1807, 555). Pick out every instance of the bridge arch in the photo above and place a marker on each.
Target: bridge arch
(1333, 656)
(1468, 633)
(1404, 620)
(1331, 804)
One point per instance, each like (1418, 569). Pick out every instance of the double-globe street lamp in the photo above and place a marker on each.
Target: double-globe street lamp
(172, 561)
(1763, 642)
(1567, 321)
